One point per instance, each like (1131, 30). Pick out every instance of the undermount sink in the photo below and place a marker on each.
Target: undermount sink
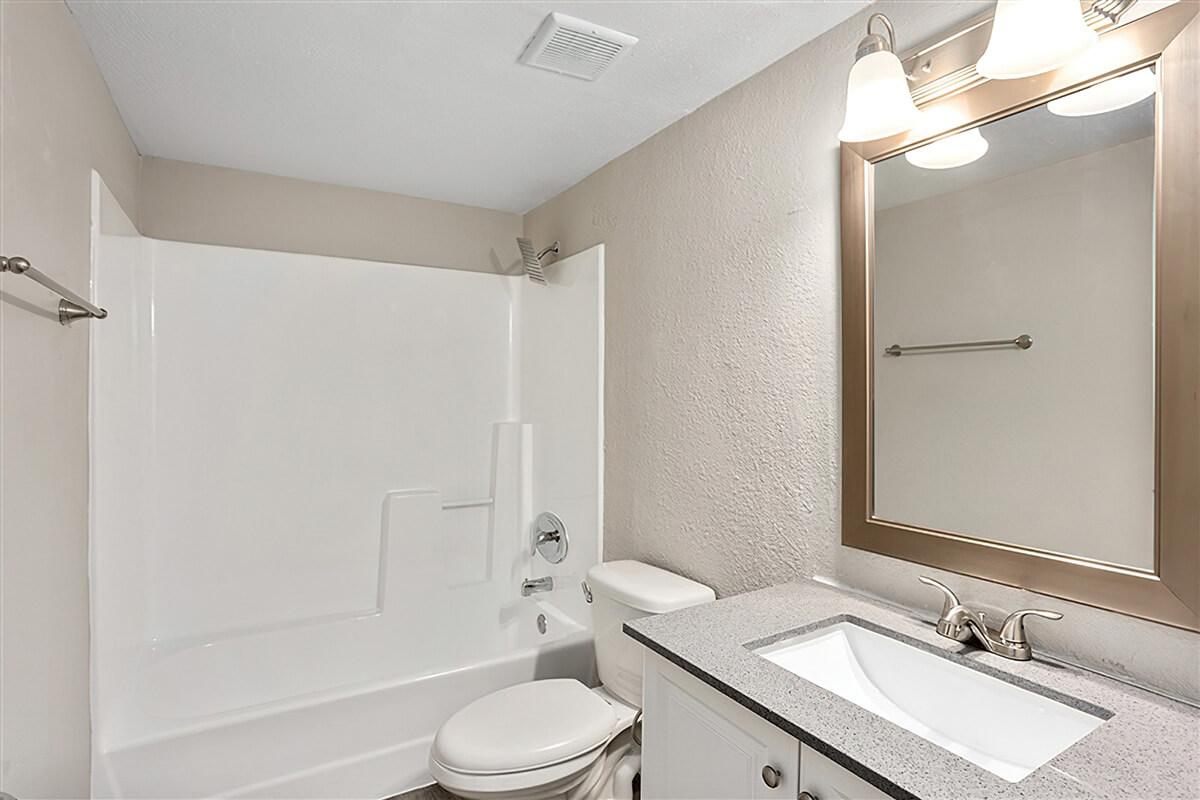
(1001, 727)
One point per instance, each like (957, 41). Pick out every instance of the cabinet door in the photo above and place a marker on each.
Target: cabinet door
(698, 744)
(826, 780)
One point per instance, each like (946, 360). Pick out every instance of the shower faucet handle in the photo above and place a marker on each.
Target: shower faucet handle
(549, 538)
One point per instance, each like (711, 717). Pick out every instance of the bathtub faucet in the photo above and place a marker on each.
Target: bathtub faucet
(531, 585)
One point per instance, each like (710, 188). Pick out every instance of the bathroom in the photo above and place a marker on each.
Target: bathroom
(600, 399)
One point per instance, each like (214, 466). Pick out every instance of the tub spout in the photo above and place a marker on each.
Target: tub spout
(531, 585)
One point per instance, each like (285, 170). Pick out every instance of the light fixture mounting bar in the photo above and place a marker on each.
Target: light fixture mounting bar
(946, 65)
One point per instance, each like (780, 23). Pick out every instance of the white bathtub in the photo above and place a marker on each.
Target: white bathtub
(196, 730)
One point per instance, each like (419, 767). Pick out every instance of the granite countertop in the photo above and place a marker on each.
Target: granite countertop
(1148, 748)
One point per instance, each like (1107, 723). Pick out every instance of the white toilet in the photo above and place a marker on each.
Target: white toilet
(558, 738)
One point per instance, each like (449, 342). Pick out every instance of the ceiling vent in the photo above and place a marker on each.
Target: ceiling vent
(575, 47)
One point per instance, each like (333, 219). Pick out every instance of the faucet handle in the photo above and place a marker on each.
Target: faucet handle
(949, 598)
(1013, 630)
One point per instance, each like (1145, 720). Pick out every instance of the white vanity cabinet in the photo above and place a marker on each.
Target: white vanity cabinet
(697, 744)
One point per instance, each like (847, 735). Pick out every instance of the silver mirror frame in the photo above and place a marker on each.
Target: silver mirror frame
(1170, 592)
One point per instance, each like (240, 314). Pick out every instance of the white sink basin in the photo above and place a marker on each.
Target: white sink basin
(1007, 730)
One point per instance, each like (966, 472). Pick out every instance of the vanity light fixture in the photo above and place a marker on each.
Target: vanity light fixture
(953, 151)
(878, 102)
(1030, 37)
(1119, 92)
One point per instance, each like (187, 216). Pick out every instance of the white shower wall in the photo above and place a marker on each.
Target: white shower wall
(274, 437)
(291, 394)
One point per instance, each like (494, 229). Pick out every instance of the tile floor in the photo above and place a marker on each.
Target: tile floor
(434, 792)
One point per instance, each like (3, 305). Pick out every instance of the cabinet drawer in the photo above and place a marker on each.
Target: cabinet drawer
(827, 780)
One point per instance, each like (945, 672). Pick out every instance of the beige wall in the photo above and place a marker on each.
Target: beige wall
(213, 205)
(722, 351)
(58, 124)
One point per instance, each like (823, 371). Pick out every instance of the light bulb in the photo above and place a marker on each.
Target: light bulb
(878, 103)
(1114, 93)
(1030, 37)
(953, 151)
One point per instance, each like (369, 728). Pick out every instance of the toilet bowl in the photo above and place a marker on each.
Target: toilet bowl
(557, 738)
(541, 739)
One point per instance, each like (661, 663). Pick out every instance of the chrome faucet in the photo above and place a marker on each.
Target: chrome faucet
(531, 585)
(961, 623)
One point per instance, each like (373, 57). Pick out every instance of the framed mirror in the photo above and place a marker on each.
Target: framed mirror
(1021, 329)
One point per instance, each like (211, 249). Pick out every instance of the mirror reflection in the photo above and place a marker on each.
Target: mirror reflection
(1013, 329)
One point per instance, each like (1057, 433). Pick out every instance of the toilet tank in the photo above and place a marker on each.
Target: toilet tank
(625, 590)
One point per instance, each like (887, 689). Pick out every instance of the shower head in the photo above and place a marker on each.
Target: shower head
(532, 259)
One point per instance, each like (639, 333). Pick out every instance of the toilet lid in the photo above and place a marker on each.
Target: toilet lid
(524, 727)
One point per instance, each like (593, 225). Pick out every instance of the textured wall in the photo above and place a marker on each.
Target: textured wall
(214, 205)
(58, 124)
(722, 338)
(722, 365)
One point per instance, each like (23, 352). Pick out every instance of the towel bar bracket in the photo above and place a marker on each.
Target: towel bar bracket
(70, 308)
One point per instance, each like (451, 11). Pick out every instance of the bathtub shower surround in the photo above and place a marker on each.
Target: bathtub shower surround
(313, 483)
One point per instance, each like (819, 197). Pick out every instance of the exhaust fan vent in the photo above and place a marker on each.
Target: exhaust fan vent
(575, 47)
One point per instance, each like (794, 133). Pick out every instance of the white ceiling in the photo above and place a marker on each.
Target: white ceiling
(423, 99)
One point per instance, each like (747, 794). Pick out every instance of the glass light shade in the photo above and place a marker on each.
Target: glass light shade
(878, 103)
(1114, 93)
(1030, 37)
(953, 151)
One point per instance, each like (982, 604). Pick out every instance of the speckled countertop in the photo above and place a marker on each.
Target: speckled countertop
(1148, 748)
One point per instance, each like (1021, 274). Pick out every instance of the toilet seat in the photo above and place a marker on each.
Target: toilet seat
(539, 738)
(552, 781)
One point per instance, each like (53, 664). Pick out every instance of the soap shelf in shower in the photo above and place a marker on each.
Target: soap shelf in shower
(476, 503)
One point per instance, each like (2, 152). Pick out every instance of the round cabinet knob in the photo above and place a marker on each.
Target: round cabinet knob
(771, 776)
(807, 796)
